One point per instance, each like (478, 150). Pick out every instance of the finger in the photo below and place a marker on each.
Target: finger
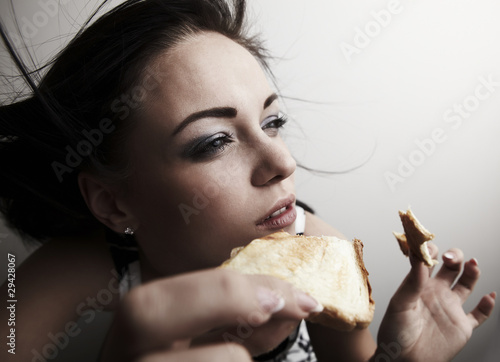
(412, 286)
(433, 252)
(452, 266)
(483, 310)
(223, 352)
(206, 300)
(257, 340)
(270, 336)
(153, 315)
(433, 249)
(467, 280)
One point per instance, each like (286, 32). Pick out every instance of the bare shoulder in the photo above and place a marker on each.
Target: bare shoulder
(315, 226)
(75, 267)
(60, 282)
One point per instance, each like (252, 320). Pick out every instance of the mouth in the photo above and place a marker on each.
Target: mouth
(276, 213)
(281, 215)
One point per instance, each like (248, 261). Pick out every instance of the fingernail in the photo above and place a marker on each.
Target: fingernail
(474, 261)
(449, 255)
(269, 300)
(308, 303)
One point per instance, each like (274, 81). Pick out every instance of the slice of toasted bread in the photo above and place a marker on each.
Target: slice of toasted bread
(415, 238)
(329, 269)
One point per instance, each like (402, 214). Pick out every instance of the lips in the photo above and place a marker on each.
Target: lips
(276, 213)
(281, 215)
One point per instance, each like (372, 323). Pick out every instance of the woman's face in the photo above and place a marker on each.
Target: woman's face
(209, 164)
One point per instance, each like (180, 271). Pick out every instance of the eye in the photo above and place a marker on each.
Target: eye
(211, 146)
(272, 124)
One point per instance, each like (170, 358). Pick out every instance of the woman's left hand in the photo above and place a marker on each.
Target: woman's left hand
(425, 320)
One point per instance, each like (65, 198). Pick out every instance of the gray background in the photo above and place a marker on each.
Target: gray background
(373, 108)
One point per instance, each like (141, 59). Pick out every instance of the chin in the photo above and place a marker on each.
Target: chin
(290, 229)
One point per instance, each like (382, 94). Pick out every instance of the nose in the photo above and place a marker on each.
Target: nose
(273, 162)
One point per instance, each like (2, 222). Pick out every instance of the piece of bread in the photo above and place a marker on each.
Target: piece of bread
(329, 269)
(415, 238)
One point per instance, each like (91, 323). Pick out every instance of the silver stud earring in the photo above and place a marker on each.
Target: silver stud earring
(129, 231)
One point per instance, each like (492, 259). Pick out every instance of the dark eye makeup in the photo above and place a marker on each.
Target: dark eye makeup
(206, 147)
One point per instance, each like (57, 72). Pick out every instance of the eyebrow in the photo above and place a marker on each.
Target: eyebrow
(217, 112)
(270, 100)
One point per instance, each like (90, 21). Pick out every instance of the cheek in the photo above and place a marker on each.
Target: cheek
(191, 195)
(206, 209)
(214, 199)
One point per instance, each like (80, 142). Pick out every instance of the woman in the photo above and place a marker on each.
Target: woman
(156, 133)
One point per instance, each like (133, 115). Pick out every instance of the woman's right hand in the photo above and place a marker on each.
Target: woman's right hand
(158, 320)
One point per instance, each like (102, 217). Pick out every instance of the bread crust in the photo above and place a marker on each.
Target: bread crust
(288, 256)
(415, 238)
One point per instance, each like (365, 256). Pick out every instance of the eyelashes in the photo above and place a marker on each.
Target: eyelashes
(208, 147)
(211, 146)
(272, 124)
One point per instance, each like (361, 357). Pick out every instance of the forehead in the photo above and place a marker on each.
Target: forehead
(206, 70)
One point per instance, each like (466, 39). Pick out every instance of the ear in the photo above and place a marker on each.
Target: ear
(105, 204)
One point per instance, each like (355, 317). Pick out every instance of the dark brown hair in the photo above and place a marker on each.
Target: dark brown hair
(77, 117)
